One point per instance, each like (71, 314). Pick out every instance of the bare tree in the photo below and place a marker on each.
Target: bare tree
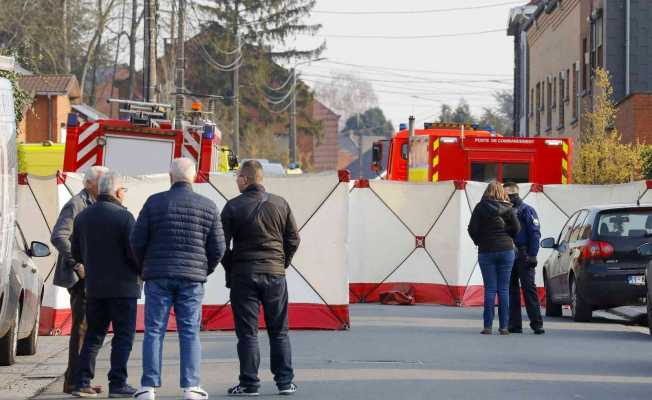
(347, 94)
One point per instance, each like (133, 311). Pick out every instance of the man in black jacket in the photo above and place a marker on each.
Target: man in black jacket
(265, 238)
(100, 242)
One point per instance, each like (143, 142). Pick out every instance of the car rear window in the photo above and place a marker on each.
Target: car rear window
(625, 224)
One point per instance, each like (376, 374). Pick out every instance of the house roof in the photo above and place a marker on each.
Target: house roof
(58, 85)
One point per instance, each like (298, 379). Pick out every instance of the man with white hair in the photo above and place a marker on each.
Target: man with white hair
(100, 240)
(178, 241)
(70, 273)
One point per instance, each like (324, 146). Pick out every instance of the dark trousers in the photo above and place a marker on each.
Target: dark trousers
(77, 333)
(524, 274)
(121, 314)
(248, 292)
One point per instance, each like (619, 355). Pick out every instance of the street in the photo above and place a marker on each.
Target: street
(425, 352)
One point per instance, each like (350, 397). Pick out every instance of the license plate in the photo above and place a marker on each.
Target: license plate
(638, 280)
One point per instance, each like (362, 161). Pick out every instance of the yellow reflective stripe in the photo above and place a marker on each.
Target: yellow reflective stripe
(435, 161)
(564, 147)
(564, 180)
(435, 177)
(564, 165)
(435, 145)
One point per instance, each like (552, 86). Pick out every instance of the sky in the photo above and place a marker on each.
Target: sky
(416, 74)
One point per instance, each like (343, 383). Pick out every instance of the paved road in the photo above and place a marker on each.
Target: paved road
(428, 352)
(30, 374)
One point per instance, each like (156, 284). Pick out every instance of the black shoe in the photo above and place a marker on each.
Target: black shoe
(240, 390)
(515, 330)
(538, 331)
(124, 392)
(287, 390)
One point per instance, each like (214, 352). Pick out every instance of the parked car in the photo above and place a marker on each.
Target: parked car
(646, 251)
(595, 263)
(21, 301)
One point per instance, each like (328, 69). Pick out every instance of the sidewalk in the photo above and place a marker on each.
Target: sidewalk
(32, 374)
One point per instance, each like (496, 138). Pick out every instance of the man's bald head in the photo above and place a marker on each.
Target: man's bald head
(182, 170)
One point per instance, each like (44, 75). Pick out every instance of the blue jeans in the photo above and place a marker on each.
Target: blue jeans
(186, 297)
(496, 272)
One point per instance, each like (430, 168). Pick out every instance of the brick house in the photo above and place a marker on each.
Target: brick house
(54, 96)
(558, 44)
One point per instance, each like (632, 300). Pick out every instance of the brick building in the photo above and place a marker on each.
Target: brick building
(54, 96)
(558, 46)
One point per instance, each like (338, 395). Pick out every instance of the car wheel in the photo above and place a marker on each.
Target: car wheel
(9, 343)
(29, 345)
(581, 311)
(552, 309)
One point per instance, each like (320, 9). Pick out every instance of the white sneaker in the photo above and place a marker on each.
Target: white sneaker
(145, 393)
(194, 393)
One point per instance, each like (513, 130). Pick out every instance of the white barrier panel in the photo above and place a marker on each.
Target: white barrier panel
(409, 234)
(317, 279)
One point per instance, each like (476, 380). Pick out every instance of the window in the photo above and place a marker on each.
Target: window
(585, 61)
(404, 151)
(599, 33)
(531, 102)
(562, 97)
(517, 173)
(554, 93)
(538, 120)
(576, 98)
(587, 229)
(567, 87)
(484, 172)
(565, 232)
(625, 224)
(579, 224)
(549, 106)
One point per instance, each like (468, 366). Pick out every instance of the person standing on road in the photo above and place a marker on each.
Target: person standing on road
(492, 228)
(178, 240)
(70, 274)
(265, 238)
(527, 248)
(100, 241)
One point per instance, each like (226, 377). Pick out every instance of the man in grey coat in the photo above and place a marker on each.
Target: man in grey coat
(69, 273)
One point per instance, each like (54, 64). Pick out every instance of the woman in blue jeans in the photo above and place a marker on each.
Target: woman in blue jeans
(493, 226)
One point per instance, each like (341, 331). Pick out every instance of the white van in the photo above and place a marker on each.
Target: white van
(21, 286)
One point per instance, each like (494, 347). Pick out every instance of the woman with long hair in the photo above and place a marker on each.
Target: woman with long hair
(493, 227)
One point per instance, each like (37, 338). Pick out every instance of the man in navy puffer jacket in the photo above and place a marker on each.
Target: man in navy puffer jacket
(178, 240)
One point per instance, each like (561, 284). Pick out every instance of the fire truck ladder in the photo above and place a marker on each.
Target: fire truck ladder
(142, 112)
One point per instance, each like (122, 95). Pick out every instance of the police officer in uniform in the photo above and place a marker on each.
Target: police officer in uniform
(527, 243)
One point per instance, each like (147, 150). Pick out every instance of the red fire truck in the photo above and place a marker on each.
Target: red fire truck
(444, 151)
(144, 142)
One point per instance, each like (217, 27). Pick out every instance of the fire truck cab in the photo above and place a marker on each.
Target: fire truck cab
(444, 151)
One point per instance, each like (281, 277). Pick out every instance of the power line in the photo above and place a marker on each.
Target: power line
(389, 37)
(381, 68)
(421, 81)
(431, 11)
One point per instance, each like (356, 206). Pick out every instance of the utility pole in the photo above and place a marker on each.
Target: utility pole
(293, 119)
(360, 152)
(180, 66)
(150, 51)
(236, 99)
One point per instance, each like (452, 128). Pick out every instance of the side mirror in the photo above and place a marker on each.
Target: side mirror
(645, 250)
(377, 156)
(548, 243)
(38, 249)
